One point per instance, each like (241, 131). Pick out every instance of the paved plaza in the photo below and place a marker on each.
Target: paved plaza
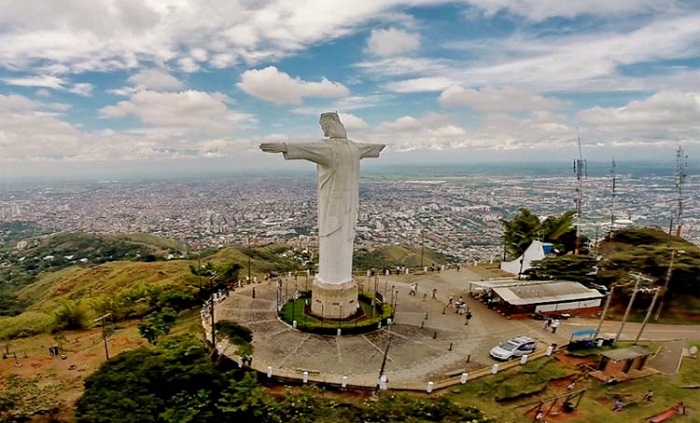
(422, 349)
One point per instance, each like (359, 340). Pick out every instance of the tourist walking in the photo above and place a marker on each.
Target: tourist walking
(555, 325)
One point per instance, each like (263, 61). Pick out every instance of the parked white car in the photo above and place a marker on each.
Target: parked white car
(513, 348)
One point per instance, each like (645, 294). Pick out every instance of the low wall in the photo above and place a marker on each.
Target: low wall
(303, 376)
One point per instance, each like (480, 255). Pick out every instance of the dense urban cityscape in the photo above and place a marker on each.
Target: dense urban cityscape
(458, 215)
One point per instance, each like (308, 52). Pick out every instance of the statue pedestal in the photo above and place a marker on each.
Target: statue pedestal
(334, 300)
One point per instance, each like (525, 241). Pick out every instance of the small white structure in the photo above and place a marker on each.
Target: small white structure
(536, 251)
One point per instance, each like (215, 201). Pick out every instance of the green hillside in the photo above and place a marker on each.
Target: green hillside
(648, 251)
(129, 288)
(396, 255)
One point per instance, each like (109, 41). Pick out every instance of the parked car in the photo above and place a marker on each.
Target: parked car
(513, 348)
(600, 288)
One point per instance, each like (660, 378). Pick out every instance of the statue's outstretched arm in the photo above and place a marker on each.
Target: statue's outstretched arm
(317, 152)
(371, 150)
(274, 147)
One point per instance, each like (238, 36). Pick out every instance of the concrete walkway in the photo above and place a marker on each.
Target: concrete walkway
(437, 348)
(422, 350)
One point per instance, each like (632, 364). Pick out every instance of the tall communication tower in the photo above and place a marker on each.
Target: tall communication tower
(581, 171)
(613, 177)
(681, 175)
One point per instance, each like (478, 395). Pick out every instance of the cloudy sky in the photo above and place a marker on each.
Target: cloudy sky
(105, 86)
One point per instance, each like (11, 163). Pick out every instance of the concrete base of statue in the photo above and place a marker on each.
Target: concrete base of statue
(334, 300)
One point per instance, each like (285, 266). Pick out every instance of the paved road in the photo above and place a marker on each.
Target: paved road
(420, 349)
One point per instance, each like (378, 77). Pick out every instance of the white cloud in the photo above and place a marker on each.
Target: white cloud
(402, 124)
(496, 99)
(36, 81)
(664, 115)
(569, 62)
(539, 10)
(184, 32)
(436, 132)
(352, 122)
(83, 89)
(417, 85)
(14, 103)
(31, 132)
(392, 42)
(179, 113)
(62, 36)
(271, 85)
(156, 80)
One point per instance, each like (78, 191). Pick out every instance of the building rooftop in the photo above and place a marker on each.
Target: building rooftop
(538, 292)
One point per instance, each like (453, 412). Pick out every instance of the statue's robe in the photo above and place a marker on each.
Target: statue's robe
(338, 163)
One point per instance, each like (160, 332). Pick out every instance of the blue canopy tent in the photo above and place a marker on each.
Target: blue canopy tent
(582, 338)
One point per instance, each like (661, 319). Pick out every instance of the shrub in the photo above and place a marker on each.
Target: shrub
(72, 315)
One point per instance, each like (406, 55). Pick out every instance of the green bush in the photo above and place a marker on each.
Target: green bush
(233, 331)
(27, 324)
(72, 315)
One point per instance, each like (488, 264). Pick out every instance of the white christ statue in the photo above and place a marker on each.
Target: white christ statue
(338, 163)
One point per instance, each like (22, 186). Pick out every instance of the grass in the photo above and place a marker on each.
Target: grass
(26, 324)
(62, 380)
(153, 240)
(596, 405)
(76, 282)
(595, 351)
(294, 310)
(495, 394)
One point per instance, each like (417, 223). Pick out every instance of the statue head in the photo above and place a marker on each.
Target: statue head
(332, 126)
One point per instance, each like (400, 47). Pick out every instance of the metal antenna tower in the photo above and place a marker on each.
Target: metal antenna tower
(613, 177)
(681, 175)
(581, 171)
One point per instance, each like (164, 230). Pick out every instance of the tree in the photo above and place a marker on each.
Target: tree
(158, 325)
(238, 335)
(71, 315)
(175, 381)
(525, 227)
(648, 251)
(520, 231)
(577, 268)
(217, 277)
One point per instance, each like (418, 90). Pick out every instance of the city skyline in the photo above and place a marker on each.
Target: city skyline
(170, 87)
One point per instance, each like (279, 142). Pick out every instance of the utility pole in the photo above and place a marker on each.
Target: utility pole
(669, 272)
(104, 332)
(638, 278)
(681, 174)
(249, 280)
(613, 176)
(646, 317)
(605, 311)
(422, 242)
(211, 310)
(581, 171)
